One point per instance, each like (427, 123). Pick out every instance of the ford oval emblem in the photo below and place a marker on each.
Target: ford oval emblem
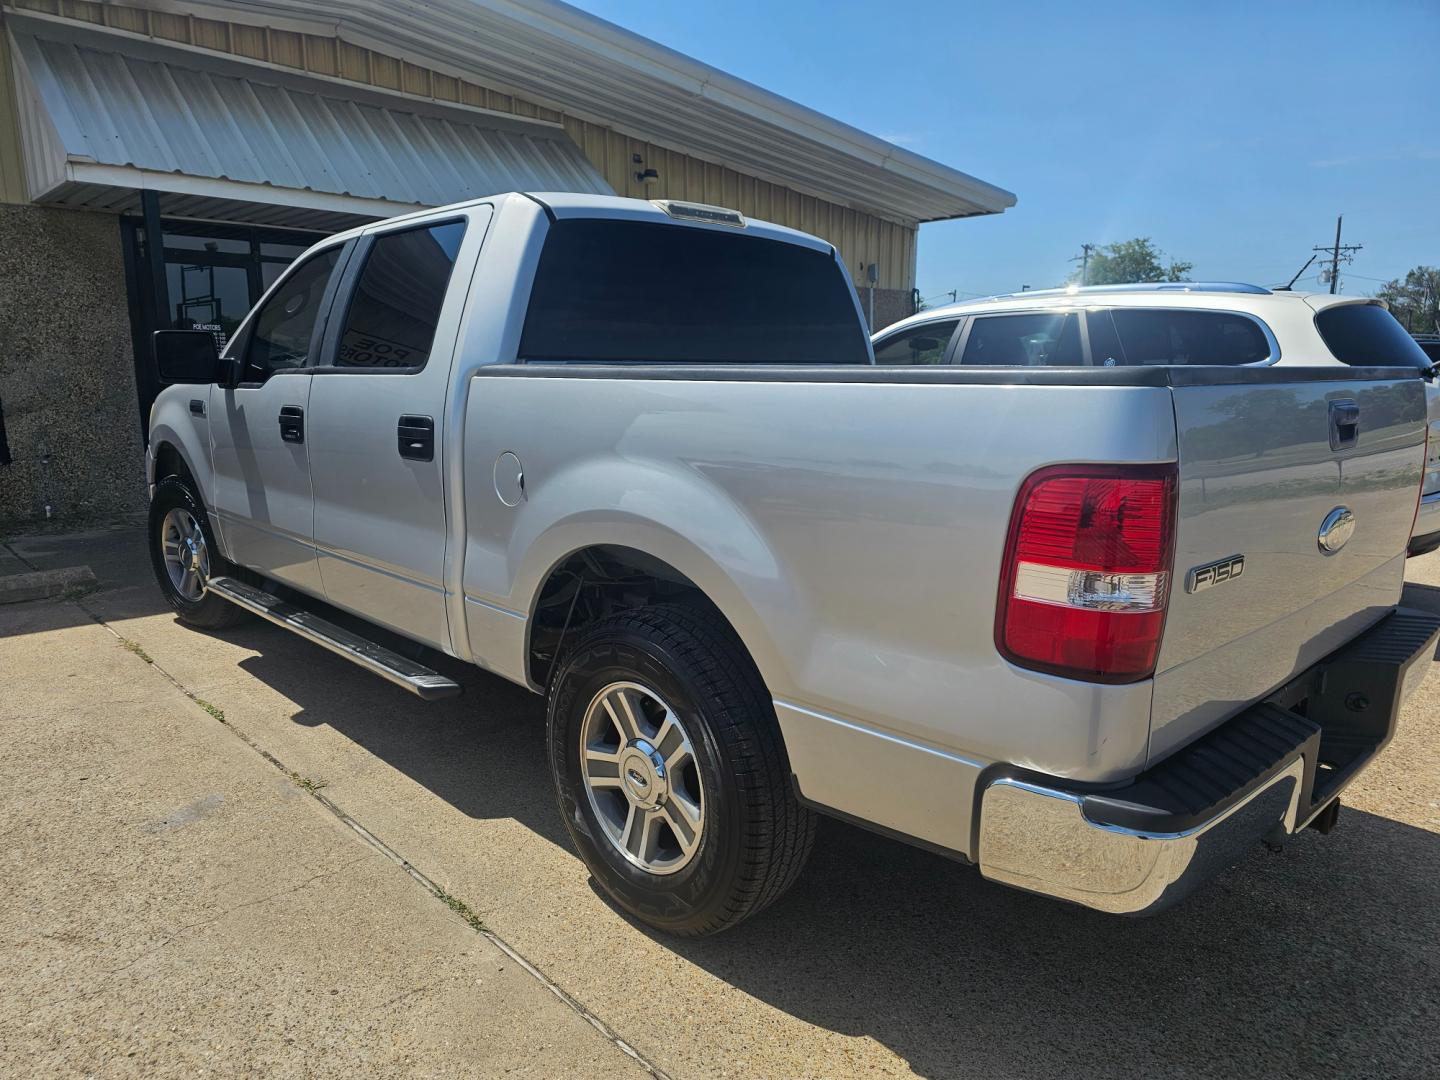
(1336, 529)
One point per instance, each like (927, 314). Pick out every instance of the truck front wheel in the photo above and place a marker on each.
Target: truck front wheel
(670, 771)
(182, 551)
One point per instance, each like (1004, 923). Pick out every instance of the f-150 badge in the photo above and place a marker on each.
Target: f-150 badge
(1216, 573)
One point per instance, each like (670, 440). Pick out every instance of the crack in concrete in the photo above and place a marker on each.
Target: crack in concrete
(424, 880)
(217, 917)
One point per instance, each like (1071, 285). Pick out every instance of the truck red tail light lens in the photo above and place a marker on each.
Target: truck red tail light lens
(1086, 578)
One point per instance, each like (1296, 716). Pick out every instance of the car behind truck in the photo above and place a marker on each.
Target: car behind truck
(1094, 630)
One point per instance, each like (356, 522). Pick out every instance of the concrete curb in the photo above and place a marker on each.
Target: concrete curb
(42, 584)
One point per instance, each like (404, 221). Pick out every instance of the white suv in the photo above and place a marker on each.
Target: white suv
(1181, 323)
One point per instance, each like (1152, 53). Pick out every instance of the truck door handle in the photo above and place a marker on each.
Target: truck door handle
(292, 424)
(417, 438)
(1344, 424)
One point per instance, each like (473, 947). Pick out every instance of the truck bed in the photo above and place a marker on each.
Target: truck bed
(850, 522)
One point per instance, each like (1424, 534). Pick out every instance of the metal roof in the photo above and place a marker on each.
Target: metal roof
(154, 118)
(563, 58)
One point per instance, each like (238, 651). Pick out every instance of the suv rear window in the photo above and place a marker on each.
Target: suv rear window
(1366, 335)
(1150, 336)
(629, 291)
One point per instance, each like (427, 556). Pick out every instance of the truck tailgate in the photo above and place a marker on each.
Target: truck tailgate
(1264, 466)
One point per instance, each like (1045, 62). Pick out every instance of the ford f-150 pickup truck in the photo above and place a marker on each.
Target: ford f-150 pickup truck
(1096, 630)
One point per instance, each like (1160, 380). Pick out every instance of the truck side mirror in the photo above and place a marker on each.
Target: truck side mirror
(187, 356)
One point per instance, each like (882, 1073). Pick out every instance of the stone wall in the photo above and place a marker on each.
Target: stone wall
(67, 373)
(891, 305)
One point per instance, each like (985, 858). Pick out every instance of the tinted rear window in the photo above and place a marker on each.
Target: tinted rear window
(1366, 335)
(1175, 337)
(627, 291)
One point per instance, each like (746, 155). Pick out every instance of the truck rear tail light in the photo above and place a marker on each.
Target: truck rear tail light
(1087, 567)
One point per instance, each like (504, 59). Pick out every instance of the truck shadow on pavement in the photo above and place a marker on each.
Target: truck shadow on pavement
(1322, 958)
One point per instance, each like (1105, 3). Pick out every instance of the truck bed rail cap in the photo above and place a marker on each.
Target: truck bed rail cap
(1193, 375)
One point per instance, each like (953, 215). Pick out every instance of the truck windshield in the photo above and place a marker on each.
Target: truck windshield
(637, 292)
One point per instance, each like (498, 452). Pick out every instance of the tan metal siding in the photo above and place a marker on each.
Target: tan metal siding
(304, 52)
(860, 238)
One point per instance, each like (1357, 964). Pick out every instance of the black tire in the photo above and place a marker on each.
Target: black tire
(756, 835)
(208, 612)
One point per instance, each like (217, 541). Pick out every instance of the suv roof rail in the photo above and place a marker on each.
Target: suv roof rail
(1142, 286)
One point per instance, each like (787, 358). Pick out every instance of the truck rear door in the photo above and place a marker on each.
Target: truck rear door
(377, 410)
(1298, 489)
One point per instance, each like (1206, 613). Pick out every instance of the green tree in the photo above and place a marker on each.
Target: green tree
(1132, 260)
(1415, 301)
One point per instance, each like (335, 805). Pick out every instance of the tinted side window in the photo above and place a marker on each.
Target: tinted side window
(1105, 348)
(630, 291)
(1366, 335)
(286, 322)
(396, 304)
(1044, 339)
(918, 345)
(1149, 336)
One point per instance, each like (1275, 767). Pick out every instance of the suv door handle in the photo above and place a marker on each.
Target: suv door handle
(292, 424)
(416, 435)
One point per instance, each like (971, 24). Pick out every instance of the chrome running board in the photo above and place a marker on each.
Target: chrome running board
(402, 671)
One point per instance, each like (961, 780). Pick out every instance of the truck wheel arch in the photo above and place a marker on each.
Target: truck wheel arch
(601, 578)
(169, 461)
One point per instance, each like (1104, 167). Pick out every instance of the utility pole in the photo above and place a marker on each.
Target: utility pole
(1338, 251)
(1084, 260)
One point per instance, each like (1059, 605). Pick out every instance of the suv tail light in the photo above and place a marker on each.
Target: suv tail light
(1087, 566)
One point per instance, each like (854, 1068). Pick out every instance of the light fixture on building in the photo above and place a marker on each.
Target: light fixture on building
(647, 177)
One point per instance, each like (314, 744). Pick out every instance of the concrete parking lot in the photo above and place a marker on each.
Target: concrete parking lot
(235, 852)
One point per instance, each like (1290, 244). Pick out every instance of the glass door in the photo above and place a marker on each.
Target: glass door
(214, 275)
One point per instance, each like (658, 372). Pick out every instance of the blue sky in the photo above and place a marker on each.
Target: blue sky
(1232, 135)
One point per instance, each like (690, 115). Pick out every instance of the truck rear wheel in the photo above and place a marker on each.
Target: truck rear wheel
(182, 551)
(671, 775)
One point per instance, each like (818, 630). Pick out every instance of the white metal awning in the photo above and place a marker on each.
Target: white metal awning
(558, 56)
(223, 139)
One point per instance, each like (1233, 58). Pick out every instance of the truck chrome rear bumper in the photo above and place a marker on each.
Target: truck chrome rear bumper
(1426, 536)
(1138, 848)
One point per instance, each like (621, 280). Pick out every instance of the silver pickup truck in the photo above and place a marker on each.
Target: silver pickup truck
(1095, 630)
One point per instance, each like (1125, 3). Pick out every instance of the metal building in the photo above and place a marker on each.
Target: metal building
(162, 161)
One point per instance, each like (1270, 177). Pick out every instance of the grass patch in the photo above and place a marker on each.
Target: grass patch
(455, 904)
(312, 786)
(134, 647)
(214, 710)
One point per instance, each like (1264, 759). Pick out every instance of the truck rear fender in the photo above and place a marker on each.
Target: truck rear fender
(655, 515)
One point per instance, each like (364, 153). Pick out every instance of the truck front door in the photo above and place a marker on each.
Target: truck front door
(262, 499)
(376, 419)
